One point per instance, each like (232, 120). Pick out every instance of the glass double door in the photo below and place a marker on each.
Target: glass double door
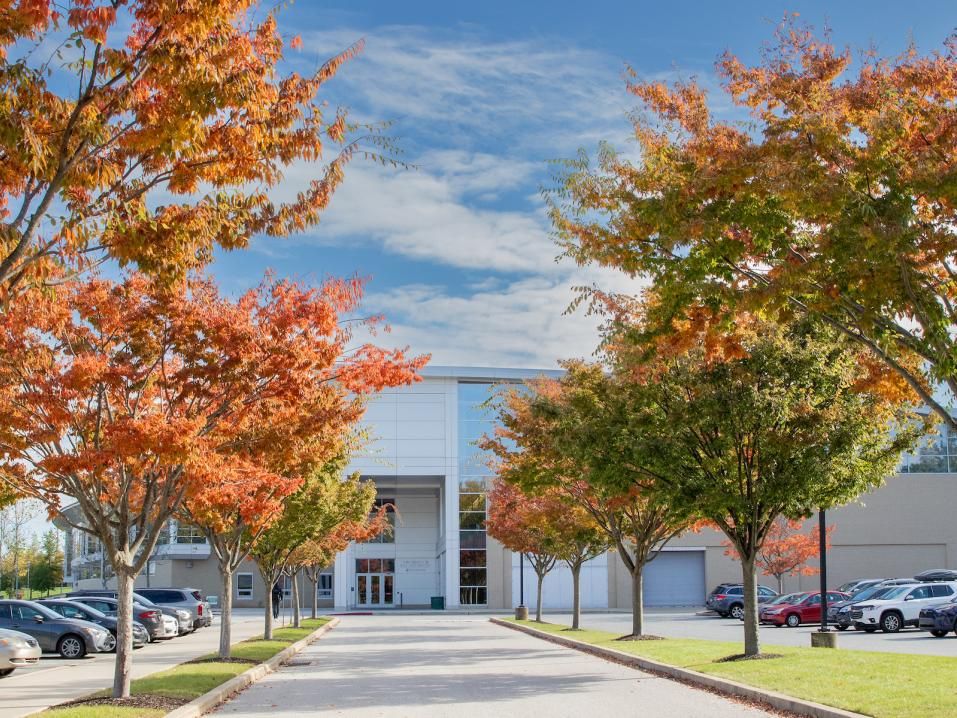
(375, 589)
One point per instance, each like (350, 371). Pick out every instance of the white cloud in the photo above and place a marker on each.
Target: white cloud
(523, 324)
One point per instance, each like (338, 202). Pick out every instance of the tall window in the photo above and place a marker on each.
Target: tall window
(474, 475)
(244, 585)
(936, 453)
(185, 533)
(387, 536)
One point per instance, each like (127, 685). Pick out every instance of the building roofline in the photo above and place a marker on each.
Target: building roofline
(489, 373)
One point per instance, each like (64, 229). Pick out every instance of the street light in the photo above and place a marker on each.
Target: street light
(521, 611)
(823, 637)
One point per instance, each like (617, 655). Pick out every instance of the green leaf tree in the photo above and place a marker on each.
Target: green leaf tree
(781, 430)
(837, 200)
(325, 501)
(577, 435)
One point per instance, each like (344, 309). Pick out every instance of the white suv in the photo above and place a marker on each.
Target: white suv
(900, 607)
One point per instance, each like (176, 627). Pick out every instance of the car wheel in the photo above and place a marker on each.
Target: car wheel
(71, 646)
(936, 633)
(891, 622)
(110, 643)
(793, 620)
(737, 611)
(6, 672)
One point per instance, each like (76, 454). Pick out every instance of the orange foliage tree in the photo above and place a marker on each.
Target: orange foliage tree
(130, 397)
(525, 523)
(151, 131)
(837, 200)
(786, 550)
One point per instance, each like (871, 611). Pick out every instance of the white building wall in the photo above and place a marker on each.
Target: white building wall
(557, 587)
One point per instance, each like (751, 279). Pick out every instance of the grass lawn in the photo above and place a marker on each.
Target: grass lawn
(103, 712)
(884, 685)
(191, 680)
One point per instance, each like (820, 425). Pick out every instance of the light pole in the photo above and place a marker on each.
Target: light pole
(823, 637)
(521, 611)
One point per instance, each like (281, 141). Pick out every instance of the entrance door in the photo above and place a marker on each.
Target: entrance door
(375, 582)
(374, 589)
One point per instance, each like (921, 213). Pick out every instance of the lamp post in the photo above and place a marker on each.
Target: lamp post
(823, 637)
(521, 611)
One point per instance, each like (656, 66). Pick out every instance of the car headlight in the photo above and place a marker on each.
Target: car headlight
(866, 608)
(14, 643)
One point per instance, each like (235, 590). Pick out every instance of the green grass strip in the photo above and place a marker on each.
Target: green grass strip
(883, 685)
(191, 680)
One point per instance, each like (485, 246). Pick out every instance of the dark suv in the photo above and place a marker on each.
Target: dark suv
(151, 618)
(74, 609)
(188, 599)
(727, 599)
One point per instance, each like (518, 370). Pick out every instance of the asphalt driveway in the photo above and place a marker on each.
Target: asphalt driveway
(428, 666)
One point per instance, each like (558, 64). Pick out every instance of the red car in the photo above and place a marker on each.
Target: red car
(802, 608)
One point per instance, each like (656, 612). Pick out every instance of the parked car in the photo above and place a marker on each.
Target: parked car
(939, 619)
(152, 619)
(180, 617)
(17, 649)
(73, 609)
(189, 599)
(839, 613)
(805, 608)
(70, 637)
(859, 584)
(900, 607)
(727, 599)
(937, 574)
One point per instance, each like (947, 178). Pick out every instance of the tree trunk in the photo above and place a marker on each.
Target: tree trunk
(538, 599)
(267, 627)
(752, 639)
(226, 614)
(315, 595)
(576, 595)
(780, 583)
(637, 600)
(296, 614)
(124, 632)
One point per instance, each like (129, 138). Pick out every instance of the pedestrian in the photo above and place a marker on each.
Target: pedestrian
(276, 599)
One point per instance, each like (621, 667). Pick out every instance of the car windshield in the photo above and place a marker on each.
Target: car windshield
(787, 598)
(88, 610)
(46, 611)
(845, 587)
(895, 592)
(872, 592)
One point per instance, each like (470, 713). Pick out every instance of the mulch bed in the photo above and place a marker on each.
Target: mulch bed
(143, 700)
(743, 657)
(642, 637)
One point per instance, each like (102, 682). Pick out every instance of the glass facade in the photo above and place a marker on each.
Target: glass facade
(474, 476)
(935, 454)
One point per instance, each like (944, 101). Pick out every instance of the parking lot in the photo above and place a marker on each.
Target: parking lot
(686, 623)
(55, 680)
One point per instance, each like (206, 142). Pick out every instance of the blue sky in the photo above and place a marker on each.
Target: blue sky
(481, 95)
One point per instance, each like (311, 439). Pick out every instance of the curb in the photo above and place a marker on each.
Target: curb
(727, 687)
(206, 702)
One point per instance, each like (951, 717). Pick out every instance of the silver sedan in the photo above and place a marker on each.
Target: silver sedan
(16, 649)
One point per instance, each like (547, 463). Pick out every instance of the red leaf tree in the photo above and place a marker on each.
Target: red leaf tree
(786, 551)
(525, 523)
(130, 397)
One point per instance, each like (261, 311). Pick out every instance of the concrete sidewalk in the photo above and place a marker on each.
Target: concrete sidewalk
(463, 666)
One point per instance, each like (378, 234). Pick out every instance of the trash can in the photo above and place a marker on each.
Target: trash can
(438, 603)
